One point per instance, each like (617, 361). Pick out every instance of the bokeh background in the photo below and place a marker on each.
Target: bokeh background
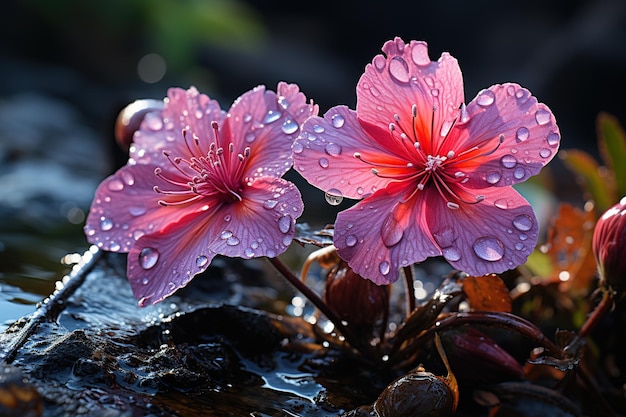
(67, 67)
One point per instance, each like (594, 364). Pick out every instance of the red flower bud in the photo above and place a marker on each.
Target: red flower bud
(609, 245)
(353, 298)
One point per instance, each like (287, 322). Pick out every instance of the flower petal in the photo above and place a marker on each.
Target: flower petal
(379, 235)
(324, 154)
(403, 77)
(125, 207)
(184, 109)
(492, 236)
(528, 129)
(263, 224)
(268, 123)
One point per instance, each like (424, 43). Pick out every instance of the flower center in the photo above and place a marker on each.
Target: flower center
(213, 174)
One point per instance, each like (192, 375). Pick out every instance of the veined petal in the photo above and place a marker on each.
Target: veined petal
(126, 207)
(492, 236)
(267, 123)
(405, 77)
(380, 234)
(184, 109)
(530, 137)
(324, 154)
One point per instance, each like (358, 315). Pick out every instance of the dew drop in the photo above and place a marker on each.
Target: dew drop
(451, 254)
(501, 203)
(128, 178)
(522, 134)
(202, 261)
(493, 177)
(419, 54)
(297, 147)
(323, 162)
(435, 92)
(508, 161)
(351, 240)
(523, 236)
(284, 224)
(105, 224)
(232, 241)
(227, 218)
(289, 127)
(360, 190)
(523, 222)
(553, 139)
(545, 152)
(114, 246)
(318, 129)
(115, 185)
(542, 117)
(374, 91)
(137, 211)
(333, 197)
(333, 149)
(247, 118)
(287, 240)
(254, 245)
(379, 62)
(384, 267)
(153, 122)
(270, 204)
(138, 233)
(198, 114)
(338, 121)
(489, 249)
(445, 237)
(391, 231)
(399, 70)
(226, 234)
(485, 98)
(271, 116)
(148, 258)
(519, 246)
(519, 173)
(250, 137)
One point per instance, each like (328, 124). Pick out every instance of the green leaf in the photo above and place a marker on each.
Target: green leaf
(612, 145)
(595, 180)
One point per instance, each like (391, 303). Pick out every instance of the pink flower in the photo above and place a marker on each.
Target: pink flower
(434, 175)
(609, 245)
(202, 182)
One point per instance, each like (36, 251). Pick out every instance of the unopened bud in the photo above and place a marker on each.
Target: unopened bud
(609, 246)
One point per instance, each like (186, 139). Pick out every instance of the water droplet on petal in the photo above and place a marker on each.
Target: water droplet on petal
(419, 54)
(289, 127)
(271, 116)
(232, 241)
(153, 122)
(227, 218)
(489, 249)
(297, 147)
(493, 177)
(351, 240)
(379, 62)
(338, 120)
(391, 231)
(508, 161)
(522, 134)
(114, 246)
(545, 152)
(333, 197)
(519, 246)
(553, 139)
(451, 254)
(384, 267)
(399, 70)
(523, 236)
(138, 233)
(323, 162)
(333, 149)
(115, 184)
(523, 222)
(145, 281)
(137, 211)
(254, 245)
(486, 98)
(519, 173)
(226, 234)
(202, 261)
(148, 258)
(250, 137)
(318, 129)
(287, 240)
(247, 118)
(360, 190)
(284, 224)
(445, 237)
(105, 224)
(542, 117)
(501, 204)
(270, 204)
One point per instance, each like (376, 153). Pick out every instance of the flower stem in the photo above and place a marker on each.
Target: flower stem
(410, 290)
(347, 333)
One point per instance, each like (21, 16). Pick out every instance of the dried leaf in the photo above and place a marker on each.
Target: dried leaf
(487, 293)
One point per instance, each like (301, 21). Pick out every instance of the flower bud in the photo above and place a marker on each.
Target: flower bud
(609, 246)
(353, 298)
